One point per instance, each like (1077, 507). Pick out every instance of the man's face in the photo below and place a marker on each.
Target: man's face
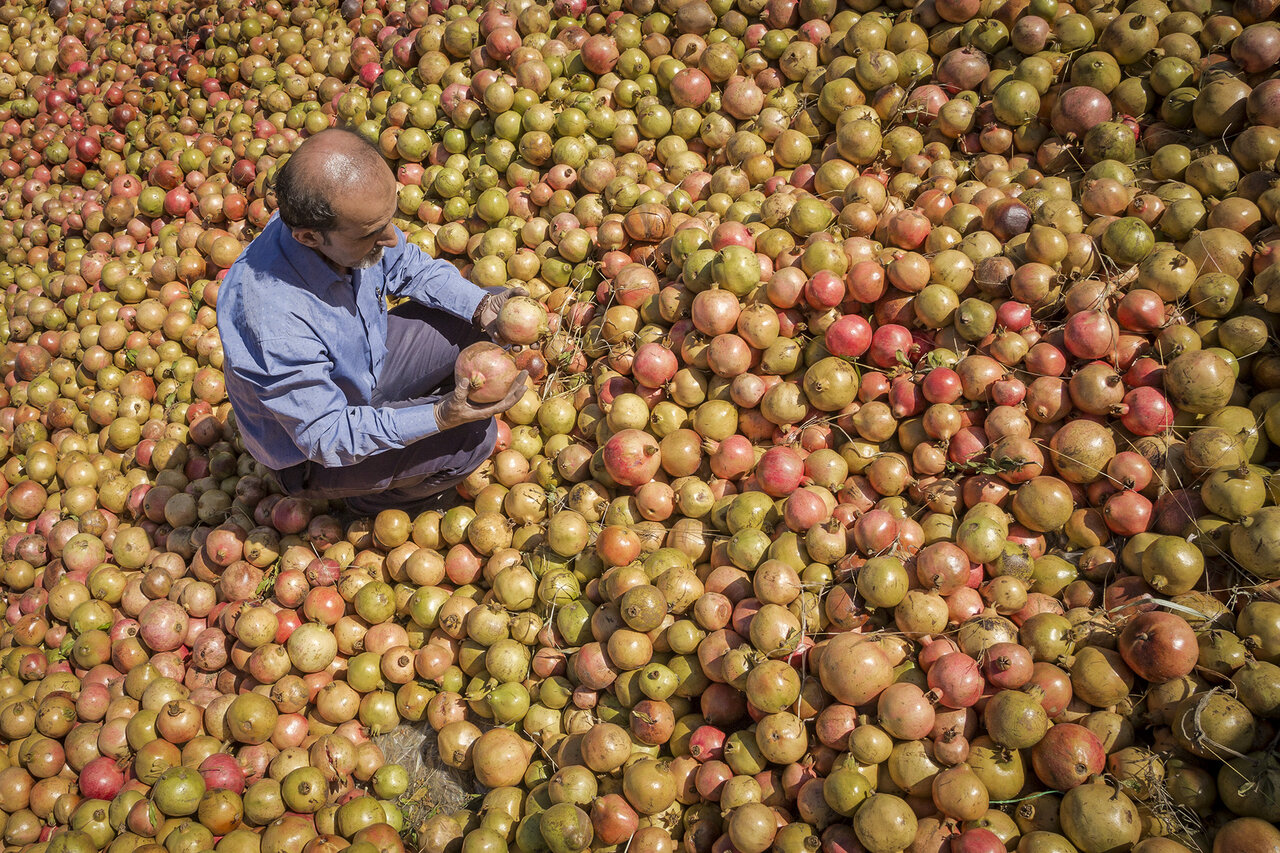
(363, 230)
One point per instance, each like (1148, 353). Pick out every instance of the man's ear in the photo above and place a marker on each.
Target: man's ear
(309, 237)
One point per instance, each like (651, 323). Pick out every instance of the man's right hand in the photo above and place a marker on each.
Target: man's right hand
(455, 409)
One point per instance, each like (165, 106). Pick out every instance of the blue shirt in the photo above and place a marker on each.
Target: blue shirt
(304, 345)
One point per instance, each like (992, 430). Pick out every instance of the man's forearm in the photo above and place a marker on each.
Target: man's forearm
(345, 437)
(479, 318)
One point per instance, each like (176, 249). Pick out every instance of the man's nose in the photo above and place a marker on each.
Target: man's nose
(388, 239)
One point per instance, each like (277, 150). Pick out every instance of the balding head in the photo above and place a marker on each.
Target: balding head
(337, 195)
(327, 169)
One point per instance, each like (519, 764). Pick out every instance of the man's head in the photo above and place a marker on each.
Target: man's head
(337, 196)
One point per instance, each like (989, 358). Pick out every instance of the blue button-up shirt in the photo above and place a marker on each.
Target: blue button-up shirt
(304, 346)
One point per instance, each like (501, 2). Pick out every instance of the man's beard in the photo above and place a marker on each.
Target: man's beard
(369, 260)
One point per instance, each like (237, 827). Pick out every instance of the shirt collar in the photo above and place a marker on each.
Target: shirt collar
(312, 269)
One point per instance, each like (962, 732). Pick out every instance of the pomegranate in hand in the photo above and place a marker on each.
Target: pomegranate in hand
(489, 369)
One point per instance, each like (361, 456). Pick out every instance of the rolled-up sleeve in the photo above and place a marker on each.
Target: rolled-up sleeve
(291, 380)
(414, 274)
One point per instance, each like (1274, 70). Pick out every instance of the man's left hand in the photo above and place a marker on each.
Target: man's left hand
(455, 408)
(487, 312)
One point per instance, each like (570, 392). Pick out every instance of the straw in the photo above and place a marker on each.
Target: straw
(434, 787)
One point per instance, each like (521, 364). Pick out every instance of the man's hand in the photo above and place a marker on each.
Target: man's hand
(487, 311)
(455, 409)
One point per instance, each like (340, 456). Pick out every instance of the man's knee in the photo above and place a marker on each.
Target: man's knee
(454, 329)
(478, 446)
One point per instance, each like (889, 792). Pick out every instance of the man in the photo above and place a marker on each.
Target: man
(341, 398)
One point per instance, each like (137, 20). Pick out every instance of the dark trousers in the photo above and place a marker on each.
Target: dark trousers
(422, 347)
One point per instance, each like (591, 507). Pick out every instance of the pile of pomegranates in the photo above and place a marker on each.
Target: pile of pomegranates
(895, 472)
